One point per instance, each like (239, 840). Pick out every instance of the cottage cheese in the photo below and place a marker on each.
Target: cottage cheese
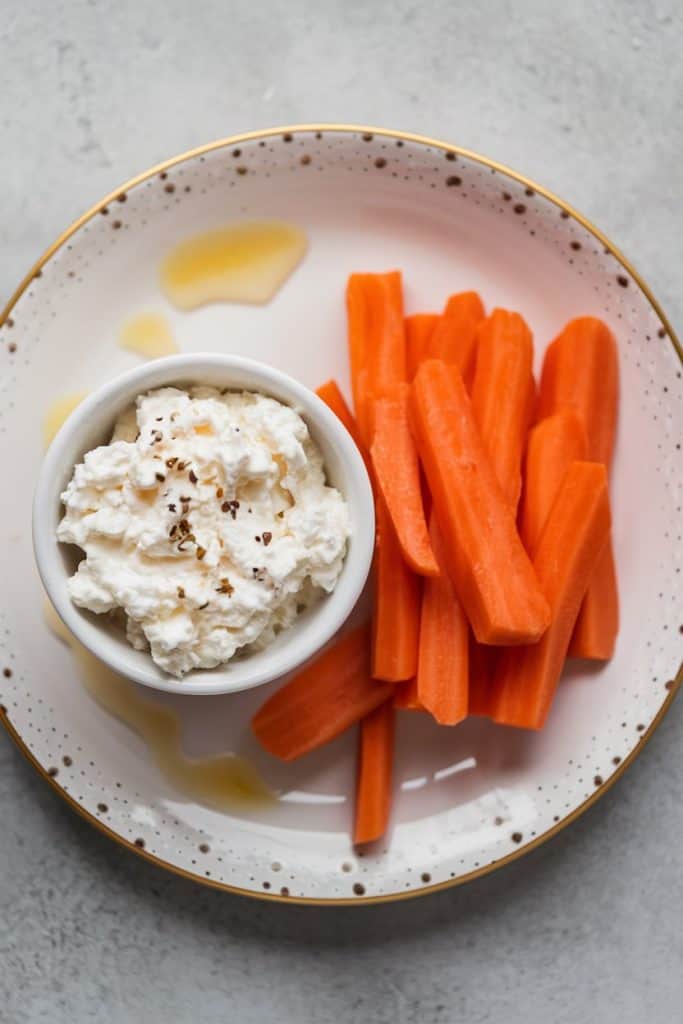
(207, 519)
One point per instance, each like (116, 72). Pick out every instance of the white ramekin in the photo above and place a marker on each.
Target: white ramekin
(91, 424)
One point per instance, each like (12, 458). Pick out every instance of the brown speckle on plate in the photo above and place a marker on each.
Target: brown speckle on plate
(453, 179)
(359, 889)
(67, 761)
(7, 672)
(140, 843)
(622, 280)
(516, 837)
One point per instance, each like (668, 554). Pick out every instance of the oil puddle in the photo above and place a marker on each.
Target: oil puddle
(223, 782)
(247, 262)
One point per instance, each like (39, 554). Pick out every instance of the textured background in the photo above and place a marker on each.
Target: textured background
(586, 97)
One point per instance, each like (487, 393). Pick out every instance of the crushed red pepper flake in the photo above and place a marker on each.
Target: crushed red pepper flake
(200, 552)
(181, 592)
(267, 537)
(193, 476)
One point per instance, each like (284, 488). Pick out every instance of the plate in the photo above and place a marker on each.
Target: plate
(467, 799)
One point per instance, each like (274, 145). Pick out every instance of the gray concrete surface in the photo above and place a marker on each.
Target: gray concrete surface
(583, 96)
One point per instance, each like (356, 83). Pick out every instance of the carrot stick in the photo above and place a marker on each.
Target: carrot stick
(491, 571)
(580, 371)
(419, 330)
(331, 395)
(571, 542)
(455, 336)
(377, 339)
(397, 471)
(405, 696)
(375, 762)
(330, 392)
(502, 395)
(321, 701)
(359, 345)
(595, 632)
(442, 669)
(482, 660)
(396, 613)
(554, 444)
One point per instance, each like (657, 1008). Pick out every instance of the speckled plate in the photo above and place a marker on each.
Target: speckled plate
(467, 799)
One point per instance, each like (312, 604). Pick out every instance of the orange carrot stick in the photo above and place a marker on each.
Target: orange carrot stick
(581, 372)
(405, 696)
(330, 392)
(331, 395)
(482, 661)
(554, 444)
(491, 571)
(571, 542)
(595, 632)
(502, 395)
(397, 471)
(442, 668)
(375, 762)
(359, 345)
(396, 614)
(321, 701)
(377, 338)
(455, 336)
(419, 330)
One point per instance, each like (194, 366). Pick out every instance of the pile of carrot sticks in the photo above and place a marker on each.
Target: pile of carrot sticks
(494, 559)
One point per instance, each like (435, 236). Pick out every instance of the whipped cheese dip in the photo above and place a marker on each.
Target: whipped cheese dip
(207, 520)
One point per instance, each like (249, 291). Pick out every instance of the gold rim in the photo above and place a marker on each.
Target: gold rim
(562, 205)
